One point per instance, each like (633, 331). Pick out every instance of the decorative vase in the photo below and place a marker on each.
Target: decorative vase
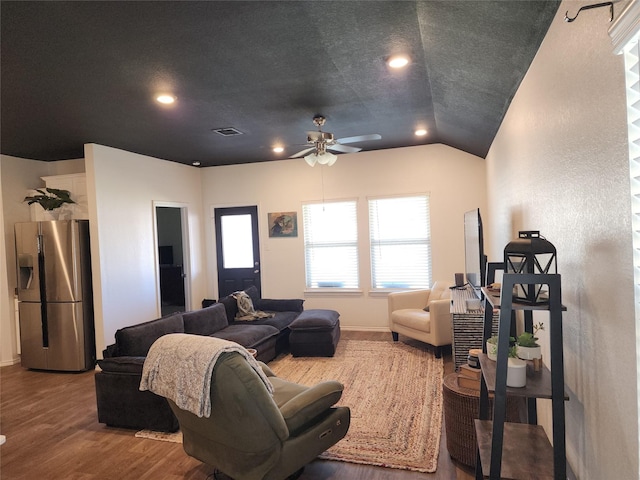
(48, 215)
(529, 353)
(516, 373)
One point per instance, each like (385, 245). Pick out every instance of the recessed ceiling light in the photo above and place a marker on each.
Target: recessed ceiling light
(278, 149)
(421, 132)
(196, 163)
(165, 99)
(398, 61)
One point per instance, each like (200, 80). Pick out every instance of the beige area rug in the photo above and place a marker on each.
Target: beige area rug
(394, 392)
(175, 437)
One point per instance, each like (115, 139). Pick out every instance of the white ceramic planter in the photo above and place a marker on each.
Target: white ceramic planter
(516, 373)
(492, 351)
(529, 353)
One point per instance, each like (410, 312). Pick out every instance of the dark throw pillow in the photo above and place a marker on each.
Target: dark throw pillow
(205, 321)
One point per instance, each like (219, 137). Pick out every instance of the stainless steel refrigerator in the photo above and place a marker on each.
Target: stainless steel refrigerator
(55, 295)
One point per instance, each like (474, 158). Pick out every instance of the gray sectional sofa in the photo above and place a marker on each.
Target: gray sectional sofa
(122, 404)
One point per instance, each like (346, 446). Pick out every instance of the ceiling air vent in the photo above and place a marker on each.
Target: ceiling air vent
(227, 132)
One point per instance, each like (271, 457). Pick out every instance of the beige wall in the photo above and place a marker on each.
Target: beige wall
(559, 164)
(122, 190)
(454, 180)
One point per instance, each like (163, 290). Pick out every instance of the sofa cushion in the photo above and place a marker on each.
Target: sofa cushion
(132, 365)
(136, 340)
(252, 291)
(281, 305)
(280, 320)
(205, 321)
(247, 335)
(415, 318)
(230, 306)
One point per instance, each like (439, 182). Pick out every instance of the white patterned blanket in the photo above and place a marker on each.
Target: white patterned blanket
(179, 367)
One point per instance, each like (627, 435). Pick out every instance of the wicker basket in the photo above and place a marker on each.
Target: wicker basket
(460, 410)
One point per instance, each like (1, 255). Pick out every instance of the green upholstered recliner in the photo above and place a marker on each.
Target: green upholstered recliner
(253, 435)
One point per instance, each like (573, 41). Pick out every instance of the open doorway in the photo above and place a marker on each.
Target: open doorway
(171, 241)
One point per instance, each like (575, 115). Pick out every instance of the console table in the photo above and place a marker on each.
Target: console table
(467, 325)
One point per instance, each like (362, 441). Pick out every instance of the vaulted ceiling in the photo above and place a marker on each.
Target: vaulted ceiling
(87, 72)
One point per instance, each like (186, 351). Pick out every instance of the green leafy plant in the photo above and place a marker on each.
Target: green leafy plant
(513, 347)
(50, 198)
(527, 339)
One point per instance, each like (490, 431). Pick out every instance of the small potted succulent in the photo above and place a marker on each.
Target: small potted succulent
(528, 348)
(516, 368)
(492, 347)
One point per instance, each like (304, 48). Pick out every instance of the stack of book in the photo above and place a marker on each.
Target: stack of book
(469, 377)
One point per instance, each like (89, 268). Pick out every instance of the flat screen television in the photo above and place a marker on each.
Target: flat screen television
(474, 258)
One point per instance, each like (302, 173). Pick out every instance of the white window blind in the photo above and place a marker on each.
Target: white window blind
(400, 242)
(632, 66)
(331, 244)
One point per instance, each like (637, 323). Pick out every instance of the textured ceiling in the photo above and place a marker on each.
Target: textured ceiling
(87, 72)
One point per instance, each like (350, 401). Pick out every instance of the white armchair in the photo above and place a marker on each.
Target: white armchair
(409, 315)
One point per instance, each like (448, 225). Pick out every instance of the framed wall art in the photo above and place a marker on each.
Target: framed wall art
(283, 224)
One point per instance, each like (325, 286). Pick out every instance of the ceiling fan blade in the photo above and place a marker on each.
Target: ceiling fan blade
(302, 153)
(343, 148)
(360, 138)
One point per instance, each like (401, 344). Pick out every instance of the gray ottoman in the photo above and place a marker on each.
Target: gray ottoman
(315, 333)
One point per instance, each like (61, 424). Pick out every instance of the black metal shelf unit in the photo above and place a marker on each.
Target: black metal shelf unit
(508, 450)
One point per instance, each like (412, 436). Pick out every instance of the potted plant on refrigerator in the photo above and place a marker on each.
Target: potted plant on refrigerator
(50, 199)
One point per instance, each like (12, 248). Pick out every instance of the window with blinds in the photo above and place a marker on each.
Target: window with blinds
(632, 65)
(400, 240)
(331, 244)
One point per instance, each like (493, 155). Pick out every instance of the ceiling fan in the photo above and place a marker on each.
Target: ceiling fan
(323, 141)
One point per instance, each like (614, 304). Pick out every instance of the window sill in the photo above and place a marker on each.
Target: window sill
(332, 292)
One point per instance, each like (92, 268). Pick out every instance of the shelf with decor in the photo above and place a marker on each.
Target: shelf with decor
(507, 450)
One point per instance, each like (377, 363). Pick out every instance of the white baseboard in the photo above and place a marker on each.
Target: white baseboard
(8, 363)
(358, 328)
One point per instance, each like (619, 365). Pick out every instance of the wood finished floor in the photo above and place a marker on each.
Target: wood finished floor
(52, 431)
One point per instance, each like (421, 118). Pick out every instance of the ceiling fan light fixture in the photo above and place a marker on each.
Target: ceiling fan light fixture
(325, 158)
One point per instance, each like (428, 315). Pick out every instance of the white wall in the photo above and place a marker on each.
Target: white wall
(559, 164)
(122, 187)
(17, 176)
(455, 181)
